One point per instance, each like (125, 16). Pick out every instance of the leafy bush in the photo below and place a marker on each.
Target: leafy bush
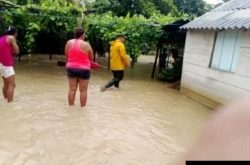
(171, 74)
(31, 20)
(138, 29)
(58, 20)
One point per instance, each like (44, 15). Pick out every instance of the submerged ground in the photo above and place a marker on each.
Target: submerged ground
(143, 123)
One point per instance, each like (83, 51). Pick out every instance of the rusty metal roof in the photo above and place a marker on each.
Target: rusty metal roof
(234, 14)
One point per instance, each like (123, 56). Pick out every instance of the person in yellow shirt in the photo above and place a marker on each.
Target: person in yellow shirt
(118, 62)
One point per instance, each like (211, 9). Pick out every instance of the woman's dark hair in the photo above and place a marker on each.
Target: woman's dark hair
(11, 30)
(78, 32)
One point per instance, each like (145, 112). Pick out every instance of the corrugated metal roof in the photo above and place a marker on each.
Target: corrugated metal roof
(233, 5)
(234, 14)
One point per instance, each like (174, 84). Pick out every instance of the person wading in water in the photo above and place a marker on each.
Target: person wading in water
(8, 49)
(79, 56)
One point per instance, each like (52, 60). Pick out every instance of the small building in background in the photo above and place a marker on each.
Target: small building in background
(216, 65)
(170, 50)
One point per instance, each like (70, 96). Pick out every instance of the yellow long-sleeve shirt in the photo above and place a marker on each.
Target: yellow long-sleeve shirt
(118, 57)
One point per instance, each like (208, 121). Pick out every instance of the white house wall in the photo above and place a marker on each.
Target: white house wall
(211, 83)
(244, 61)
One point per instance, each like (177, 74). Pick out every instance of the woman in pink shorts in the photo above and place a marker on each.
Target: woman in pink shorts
(8, 48)
(79, 55)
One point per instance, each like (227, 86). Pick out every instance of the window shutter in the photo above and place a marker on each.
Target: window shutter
(226, 51)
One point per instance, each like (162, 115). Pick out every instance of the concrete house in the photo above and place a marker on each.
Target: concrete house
(216, 66)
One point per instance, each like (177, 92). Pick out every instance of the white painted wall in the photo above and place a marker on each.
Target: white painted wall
(214, 84)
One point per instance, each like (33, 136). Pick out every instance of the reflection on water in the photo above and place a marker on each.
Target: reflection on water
(142, 123)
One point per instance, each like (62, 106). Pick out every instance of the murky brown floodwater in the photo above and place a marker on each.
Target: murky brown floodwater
(144, 123)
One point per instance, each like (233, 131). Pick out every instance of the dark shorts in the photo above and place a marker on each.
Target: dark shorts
(78, 73)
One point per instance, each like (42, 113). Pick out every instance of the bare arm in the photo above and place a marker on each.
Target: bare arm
(90, 52)
(12, 41)
(66, 49)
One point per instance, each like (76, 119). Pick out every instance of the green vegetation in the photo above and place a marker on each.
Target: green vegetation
(140, 20)
(138, 29)
(171, 74)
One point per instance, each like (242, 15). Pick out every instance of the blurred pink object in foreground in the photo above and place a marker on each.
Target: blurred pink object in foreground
(95, 65)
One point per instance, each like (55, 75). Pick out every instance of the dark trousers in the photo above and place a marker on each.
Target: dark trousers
(118, 76)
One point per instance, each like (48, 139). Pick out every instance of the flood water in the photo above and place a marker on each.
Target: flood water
(143, 123)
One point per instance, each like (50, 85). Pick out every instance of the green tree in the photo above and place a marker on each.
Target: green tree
(165, 6)
(140, 19)
(138, 29)
(146, 8)
(191, 7)
(25, 2)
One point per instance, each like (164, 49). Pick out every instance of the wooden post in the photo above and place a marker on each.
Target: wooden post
(108, 59)
(19, 57)
(50, 56)
(94, 54)
(155, 63)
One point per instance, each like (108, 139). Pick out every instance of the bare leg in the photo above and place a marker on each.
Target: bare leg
(73, 83)
(9, 87)
(83, 86)
(4, 88)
